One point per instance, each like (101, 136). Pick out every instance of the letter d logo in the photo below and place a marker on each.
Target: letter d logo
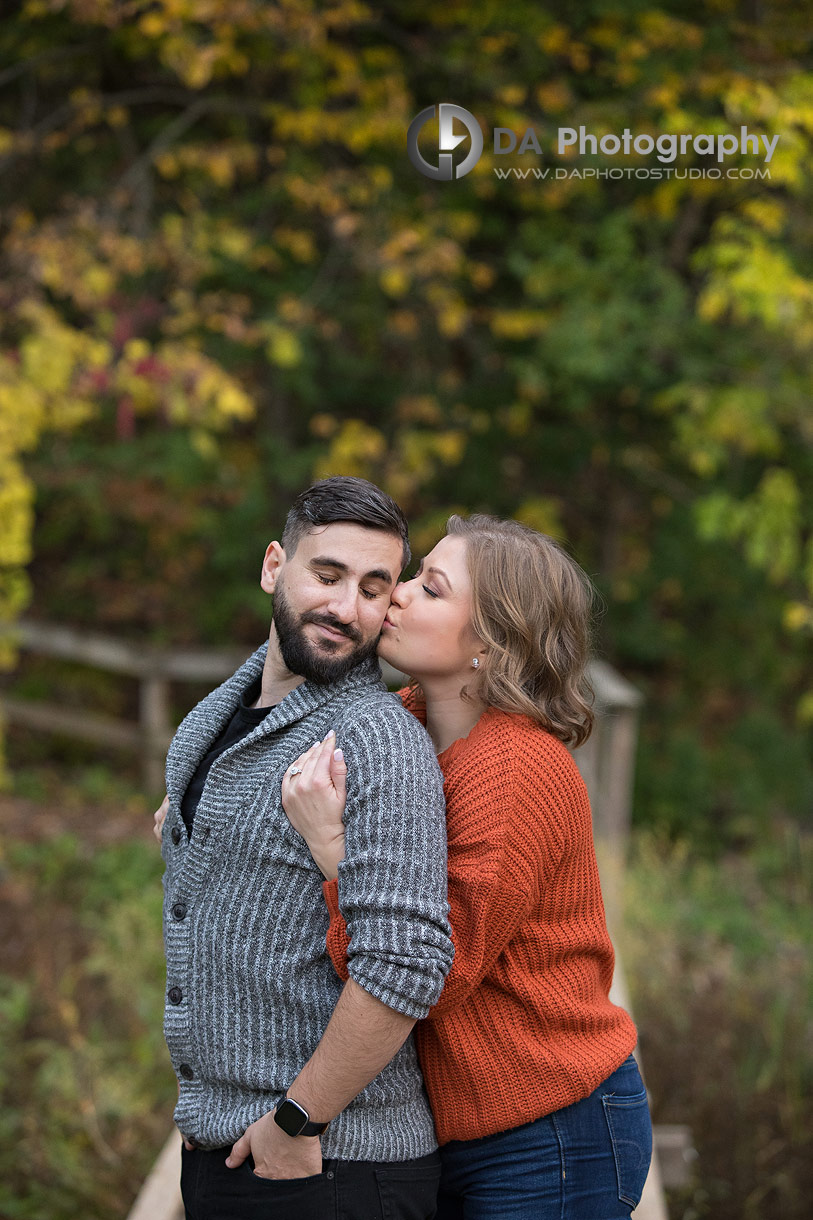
(445, 169)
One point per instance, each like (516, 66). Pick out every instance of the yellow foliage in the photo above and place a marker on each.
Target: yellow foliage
(555, 40)
(283, 348)
(798, 616)
(295, 310)
(449, 446)
(52, 353)
(231, 401)
(462, 225)
(518, 323)
(394, 281)
(554, 96)
(204, 444)
(22, 412)
(541, 513)
(512, 95)
(420, 452)
(752, 279)
(768, 214)
(16, 513)
(452, 316)
(606, 34)
(481, 275)
(663, 31)
(517, 418)
(354, 450)
(298, 242)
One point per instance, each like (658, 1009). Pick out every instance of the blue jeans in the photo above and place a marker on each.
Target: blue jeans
(588, 1161)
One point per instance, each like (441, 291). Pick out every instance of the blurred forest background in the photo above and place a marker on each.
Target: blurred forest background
(220, 276)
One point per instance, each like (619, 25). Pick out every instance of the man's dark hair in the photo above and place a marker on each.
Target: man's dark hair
(344, 498)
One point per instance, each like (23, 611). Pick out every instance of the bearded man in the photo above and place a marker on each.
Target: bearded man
(301, 1097)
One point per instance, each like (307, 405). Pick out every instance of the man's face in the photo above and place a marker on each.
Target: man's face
(330, 598)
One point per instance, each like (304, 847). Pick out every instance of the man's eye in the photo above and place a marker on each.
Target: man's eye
(371, 594)
(431, 592)
(326, 580)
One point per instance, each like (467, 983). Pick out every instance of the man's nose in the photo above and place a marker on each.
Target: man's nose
(342, 603)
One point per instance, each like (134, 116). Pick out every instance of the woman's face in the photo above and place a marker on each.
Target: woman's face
(427, 632)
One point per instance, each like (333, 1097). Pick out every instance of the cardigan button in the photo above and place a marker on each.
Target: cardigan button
(179, 910)
(174, 995)
(186, 1071)
(176, 835)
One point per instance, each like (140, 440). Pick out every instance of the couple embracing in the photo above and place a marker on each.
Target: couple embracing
(348, 1043)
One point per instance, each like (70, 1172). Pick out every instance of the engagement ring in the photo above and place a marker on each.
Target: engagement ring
(294, 770)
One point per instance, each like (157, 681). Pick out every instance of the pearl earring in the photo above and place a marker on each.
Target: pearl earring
(475, 663)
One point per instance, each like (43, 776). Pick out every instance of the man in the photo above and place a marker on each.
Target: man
(274, 1057)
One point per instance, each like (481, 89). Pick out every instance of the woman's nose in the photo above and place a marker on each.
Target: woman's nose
(397, 594)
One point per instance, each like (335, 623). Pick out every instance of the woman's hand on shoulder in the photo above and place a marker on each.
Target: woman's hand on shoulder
(314, 795)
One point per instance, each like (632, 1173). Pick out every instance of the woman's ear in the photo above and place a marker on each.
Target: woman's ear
(273, 563)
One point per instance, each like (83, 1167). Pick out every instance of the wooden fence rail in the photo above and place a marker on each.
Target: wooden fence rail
(606, 761)
(155, 669)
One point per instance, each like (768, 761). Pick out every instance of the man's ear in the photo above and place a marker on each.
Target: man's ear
(273, 563)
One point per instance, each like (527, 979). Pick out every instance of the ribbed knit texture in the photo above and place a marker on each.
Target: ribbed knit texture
(245, 924)
(524, 1025)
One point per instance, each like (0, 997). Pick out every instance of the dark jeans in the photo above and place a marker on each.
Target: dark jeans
(344, 1190)
(588, 1161)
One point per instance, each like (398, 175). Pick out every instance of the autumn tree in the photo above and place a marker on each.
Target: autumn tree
(221, 276)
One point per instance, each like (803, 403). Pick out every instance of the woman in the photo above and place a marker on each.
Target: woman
(539, 1106)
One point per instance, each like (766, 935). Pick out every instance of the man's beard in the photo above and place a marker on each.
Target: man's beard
(316, 662)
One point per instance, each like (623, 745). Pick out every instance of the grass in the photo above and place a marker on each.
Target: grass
(719, 956)
(86, 1089)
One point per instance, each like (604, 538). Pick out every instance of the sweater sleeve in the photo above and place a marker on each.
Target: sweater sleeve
(338, 942)
(474, 905)
(507, 834)
(392, 881)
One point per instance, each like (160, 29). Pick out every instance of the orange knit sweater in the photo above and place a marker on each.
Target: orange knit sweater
(524, 1025)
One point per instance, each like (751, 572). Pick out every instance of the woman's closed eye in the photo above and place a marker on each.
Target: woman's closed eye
(431, 592)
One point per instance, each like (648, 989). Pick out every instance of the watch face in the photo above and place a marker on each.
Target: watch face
(291, 1117)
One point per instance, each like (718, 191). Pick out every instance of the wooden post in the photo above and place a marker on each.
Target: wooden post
(619, 774)
(156, 729)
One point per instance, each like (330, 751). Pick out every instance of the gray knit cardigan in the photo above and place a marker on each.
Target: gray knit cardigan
(250, 987)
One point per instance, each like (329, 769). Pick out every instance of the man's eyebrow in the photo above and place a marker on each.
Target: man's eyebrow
(324, 561)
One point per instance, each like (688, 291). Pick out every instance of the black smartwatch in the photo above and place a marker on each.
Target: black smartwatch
(295, 1120)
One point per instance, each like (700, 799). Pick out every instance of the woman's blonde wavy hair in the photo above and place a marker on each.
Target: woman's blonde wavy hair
(532, 608)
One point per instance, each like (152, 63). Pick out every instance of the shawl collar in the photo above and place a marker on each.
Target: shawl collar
(205, 723)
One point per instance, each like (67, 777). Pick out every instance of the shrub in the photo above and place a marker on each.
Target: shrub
(86, 1088)
(719, 955)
